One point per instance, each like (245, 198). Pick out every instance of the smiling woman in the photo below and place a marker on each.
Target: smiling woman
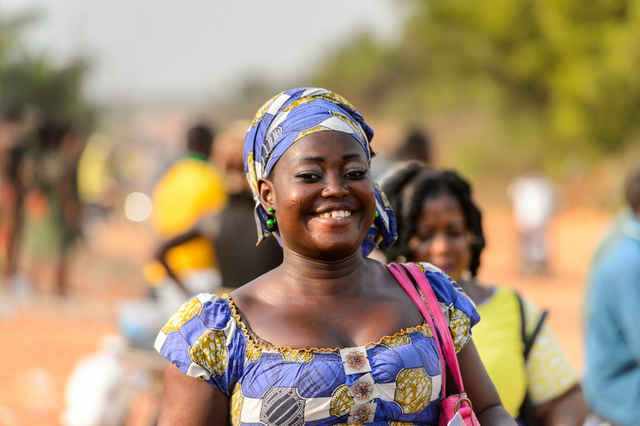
(329, 337)
(323, 195)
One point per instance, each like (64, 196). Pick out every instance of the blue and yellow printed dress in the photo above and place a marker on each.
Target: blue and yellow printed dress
(394, 381)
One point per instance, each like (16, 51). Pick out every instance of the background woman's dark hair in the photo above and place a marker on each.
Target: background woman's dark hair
(408, 185)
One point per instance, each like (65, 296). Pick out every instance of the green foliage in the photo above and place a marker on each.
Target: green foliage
(32, 80)
(560, 75)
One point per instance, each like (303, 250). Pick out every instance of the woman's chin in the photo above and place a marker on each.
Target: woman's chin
(335, 250)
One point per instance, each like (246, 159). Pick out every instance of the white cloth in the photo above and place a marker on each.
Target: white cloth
(171, 297)
(533, 198)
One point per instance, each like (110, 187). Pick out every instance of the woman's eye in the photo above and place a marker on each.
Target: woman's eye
(455, 234)
(356, 174)
(306, 176)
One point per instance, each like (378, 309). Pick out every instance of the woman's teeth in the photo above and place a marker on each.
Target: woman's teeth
(336, 214)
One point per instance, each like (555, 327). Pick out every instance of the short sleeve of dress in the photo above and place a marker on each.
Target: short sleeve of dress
(202, 339)
(549, 372)
(458, 309)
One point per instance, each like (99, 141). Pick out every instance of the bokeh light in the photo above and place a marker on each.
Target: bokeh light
(137, 207)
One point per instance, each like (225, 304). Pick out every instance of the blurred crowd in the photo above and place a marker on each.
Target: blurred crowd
(41, 211)
(53, 189)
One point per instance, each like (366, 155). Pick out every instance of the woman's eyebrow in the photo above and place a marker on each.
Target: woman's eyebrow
(319, 159)
(349, 156)
(311, 159)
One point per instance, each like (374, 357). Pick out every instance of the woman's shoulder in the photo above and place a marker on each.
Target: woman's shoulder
(211, 310)
(443, 285)
(529, 311)
(252, 293)
(459, 310)
(203, 339)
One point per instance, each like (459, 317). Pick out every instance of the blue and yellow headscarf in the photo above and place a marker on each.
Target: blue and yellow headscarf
(287, 118)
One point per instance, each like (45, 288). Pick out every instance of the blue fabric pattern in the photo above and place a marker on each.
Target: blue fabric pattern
(288, 117)
(271, 385)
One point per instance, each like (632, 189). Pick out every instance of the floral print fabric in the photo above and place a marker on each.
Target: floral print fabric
(394, 381)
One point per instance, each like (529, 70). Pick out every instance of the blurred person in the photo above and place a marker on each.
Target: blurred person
(53, 213)
(231, 231)
(13, 147)
(416, 146)
(612, 234)
(612, 338)
(96, 182)
(439, 222)
(533, 198)
(328, 337)
(190, 189)
(92, 386)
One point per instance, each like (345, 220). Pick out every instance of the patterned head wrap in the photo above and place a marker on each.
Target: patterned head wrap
(287, 118)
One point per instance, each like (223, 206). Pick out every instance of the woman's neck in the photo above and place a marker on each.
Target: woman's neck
(323, 277)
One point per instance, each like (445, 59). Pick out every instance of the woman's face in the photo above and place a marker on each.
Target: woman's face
(442, 237)
(323, 194)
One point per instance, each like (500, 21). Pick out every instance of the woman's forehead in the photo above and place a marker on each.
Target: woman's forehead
(441, 198)
(323, 145)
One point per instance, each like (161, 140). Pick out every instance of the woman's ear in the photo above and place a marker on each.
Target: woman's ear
(266, 193)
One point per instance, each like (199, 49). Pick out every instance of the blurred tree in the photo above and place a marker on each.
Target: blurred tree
(560, 75)
(29, 79)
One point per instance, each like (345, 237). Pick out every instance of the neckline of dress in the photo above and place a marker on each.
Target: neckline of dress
(258, 343)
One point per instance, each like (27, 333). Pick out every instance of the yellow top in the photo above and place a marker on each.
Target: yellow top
(497, 337)
(190, 189)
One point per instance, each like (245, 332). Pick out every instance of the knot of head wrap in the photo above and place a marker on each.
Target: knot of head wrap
(287, 118)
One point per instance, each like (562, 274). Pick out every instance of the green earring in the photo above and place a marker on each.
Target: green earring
(377, 214)
(271, 222)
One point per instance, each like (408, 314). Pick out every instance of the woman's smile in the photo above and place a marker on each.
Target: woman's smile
(333, 219)
(336, 214)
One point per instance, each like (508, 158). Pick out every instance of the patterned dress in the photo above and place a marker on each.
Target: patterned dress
(394, 381)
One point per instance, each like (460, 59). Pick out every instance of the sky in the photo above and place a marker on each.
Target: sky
(153, 49)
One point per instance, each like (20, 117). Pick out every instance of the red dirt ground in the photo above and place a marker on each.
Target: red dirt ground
(44, 337)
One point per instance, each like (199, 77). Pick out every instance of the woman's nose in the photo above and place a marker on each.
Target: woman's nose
(439, 243)
(336, 186)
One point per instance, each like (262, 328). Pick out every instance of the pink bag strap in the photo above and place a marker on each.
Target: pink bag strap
(409, 287)
(408, 275)
(441, 324)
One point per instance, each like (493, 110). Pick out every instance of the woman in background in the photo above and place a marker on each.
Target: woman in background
(438, 222)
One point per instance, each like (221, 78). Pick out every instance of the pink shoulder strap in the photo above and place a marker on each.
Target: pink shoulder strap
(432, 313)
(407, 285)
(441, 324)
